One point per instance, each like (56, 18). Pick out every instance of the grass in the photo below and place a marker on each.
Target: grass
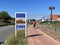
(54, 33)
(19, 40)
(53, 24)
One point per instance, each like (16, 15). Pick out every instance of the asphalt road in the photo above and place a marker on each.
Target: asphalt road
(5, 32)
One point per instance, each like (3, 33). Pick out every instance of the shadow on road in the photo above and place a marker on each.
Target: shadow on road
(34, 35)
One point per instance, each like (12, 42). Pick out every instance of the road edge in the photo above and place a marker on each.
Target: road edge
(49, 36)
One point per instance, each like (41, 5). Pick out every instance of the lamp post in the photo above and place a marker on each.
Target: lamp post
(51, 8)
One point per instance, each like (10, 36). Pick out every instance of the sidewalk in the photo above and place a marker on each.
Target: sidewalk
(37, 37)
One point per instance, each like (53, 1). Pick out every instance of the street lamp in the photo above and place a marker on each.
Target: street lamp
(51, 8)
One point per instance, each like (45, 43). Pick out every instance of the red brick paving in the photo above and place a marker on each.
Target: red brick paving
(37, 37)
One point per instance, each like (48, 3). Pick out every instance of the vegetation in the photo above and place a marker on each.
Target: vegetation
(52, 24)
(52, 29)
(30, 21)
(5, 16)
(19, 40)
(43, 23)
(6, 19)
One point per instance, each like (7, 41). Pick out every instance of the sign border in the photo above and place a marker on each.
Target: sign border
(25, 23)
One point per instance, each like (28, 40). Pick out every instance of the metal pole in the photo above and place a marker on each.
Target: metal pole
(51, 15)
(15, 26)
(25, 24)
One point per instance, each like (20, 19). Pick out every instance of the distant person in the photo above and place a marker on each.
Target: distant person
(34, 24)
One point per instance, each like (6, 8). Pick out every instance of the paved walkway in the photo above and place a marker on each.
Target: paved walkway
(37, 37)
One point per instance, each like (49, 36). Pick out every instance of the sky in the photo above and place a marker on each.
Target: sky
(36, 9)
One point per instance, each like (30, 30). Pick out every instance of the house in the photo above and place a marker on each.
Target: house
(55, 17)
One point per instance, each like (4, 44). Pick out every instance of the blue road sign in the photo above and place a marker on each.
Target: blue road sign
(20, 27)
(20, 21)
(20, 15)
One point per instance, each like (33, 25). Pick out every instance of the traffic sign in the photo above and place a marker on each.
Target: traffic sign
(20, 21)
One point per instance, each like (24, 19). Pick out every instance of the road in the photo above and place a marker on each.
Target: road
(37, 37)
(5, 32)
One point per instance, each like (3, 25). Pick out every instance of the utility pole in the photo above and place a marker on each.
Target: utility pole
(51, 8)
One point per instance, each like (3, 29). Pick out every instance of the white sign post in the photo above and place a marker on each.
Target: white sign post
(20, 22)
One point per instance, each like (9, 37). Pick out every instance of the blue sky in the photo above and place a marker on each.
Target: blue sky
(35, 8)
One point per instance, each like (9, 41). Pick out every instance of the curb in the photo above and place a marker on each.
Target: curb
(49, 37)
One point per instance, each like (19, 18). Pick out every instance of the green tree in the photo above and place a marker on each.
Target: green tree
(1, 15)
(33, 20)
(4, 15)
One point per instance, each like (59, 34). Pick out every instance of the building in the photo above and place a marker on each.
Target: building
(55, 17)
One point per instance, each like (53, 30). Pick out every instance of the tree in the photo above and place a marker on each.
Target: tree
(33, 20)
(51, 8)
(4, 15)
(1, 15)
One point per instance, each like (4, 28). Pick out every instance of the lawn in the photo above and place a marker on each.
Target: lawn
(52, 29)
(52, 24)
(19, 40)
